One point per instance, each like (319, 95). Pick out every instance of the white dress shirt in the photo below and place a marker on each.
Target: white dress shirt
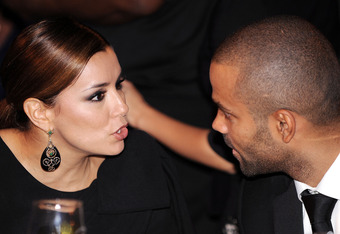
(329, 186)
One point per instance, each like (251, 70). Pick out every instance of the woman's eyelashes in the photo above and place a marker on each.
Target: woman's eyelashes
(100, 94)
(97, 96)
(119, 82)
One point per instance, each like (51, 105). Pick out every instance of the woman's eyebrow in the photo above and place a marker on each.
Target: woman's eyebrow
(103, 84)
(97, 86)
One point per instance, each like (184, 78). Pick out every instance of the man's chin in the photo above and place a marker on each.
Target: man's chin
(248, 173)
(253, 170)
(237, 155)
(249, 169)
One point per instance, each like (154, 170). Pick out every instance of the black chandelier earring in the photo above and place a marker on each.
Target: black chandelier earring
(50, 158)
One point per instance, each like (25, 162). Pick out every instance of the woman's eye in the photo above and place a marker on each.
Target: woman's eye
(98, 96)
(119, 82)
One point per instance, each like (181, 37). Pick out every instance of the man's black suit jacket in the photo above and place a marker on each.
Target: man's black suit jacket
(269, 205)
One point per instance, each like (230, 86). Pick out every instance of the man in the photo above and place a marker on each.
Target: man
(276, 84)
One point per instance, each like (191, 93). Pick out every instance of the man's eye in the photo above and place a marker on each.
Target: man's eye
(98, 96)
(119, 82)
(227, 115)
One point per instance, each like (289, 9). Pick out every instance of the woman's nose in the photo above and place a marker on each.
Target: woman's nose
(120, 108)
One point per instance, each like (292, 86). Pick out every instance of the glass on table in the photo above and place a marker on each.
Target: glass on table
(57, 216)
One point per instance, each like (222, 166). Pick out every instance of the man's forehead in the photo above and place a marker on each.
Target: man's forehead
(223, 77)
(224, 69)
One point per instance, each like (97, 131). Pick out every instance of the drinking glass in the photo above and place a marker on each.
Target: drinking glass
(57, 216)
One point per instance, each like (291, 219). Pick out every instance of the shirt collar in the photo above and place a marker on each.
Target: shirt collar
(327, 183)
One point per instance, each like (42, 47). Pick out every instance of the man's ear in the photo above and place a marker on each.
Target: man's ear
(285, 124)
(38, 113)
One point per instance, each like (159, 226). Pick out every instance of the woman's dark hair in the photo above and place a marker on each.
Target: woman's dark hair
(43, 60)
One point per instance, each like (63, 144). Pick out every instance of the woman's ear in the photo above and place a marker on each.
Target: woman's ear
(285, 124)
(38, 113)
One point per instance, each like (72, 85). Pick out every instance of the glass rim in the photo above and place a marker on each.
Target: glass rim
(58, 204)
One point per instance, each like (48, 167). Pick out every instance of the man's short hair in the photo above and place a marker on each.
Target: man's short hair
(284, 63)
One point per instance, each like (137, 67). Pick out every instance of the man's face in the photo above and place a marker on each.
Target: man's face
(252, 143)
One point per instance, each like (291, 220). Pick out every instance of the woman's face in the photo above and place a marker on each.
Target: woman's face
(89, 115)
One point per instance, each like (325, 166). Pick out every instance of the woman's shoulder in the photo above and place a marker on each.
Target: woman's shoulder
(141, 150)
(138, 171)
(140, 137)
(5, 132)
(141, 143)
(9, 165)
(9, 135)
(6, 135)
(10, 142)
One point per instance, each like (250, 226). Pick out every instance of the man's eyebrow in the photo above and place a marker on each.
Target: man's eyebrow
(219, 105)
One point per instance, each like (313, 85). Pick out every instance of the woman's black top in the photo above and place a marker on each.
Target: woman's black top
(135, 192)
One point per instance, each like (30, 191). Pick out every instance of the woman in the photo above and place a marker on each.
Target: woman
(63, 114)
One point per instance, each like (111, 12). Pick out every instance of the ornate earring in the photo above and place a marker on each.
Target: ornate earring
(50, 158)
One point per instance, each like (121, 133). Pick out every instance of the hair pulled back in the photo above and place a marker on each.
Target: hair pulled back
(43, 60)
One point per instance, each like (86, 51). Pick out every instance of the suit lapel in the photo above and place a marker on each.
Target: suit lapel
(288, 212)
